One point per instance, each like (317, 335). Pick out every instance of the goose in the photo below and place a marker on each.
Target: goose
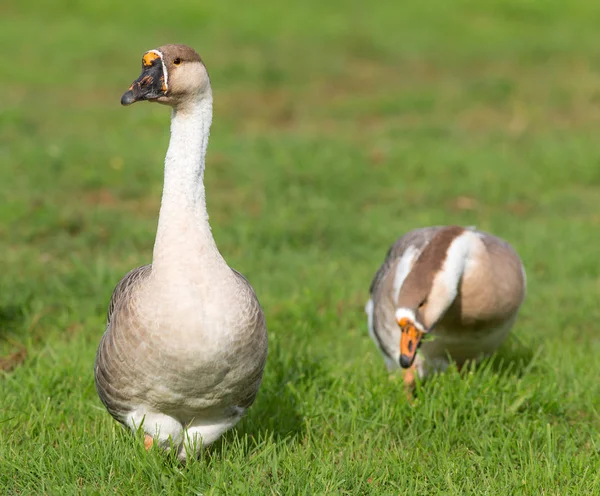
(458, 286)
(185, 345)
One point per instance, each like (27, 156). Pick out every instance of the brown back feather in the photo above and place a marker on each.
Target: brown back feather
(419, 281)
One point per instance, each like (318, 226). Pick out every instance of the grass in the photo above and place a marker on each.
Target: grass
(338, 127)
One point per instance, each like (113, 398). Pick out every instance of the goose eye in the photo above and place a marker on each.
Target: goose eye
(177, 61)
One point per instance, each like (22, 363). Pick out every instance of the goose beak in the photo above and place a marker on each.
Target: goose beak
(151, 83)
(409, 342)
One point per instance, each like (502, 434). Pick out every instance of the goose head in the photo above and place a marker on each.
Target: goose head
(412, 332)
(172, 75)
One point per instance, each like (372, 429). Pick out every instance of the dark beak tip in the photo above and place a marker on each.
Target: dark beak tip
(128, 98)
(406, 361)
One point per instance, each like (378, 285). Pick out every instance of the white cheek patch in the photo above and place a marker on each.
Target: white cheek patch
(407, 313)
(162, 61)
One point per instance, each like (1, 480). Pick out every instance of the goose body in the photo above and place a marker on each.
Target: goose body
(185, 345)
(462, 286)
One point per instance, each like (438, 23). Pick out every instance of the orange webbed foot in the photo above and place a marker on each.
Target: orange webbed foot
(148, 442)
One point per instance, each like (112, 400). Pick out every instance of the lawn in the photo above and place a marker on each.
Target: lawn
(338, 126)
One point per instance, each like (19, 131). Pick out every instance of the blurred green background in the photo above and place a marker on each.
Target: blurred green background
(338, 126)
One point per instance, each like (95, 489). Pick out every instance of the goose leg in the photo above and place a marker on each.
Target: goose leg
(409, 382)
(422, 368)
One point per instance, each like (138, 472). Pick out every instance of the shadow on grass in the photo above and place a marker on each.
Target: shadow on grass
(11, 317)
(12, 353)
(514, 358)
(277, 413)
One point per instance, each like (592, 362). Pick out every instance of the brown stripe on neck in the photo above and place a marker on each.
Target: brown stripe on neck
(419, 281)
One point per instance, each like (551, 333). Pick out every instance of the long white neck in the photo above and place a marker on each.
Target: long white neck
(445, 286)
(184, 243)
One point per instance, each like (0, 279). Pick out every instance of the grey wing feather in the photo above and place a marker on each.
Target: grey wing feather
(257, 322)
(112, 398)
(241, 276)
(130, 279)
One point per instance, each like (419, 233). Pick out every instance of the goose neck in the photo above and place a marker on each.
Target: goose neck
(446, 282)
(184, 237)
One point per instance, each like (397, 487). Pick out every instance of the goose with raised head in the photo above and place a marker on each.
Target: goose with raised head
(461, 286)
(185, 345)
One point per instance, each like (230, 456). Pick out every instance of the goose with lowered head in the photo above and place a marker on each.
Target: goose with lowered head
(185, 344)
(460, 286)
